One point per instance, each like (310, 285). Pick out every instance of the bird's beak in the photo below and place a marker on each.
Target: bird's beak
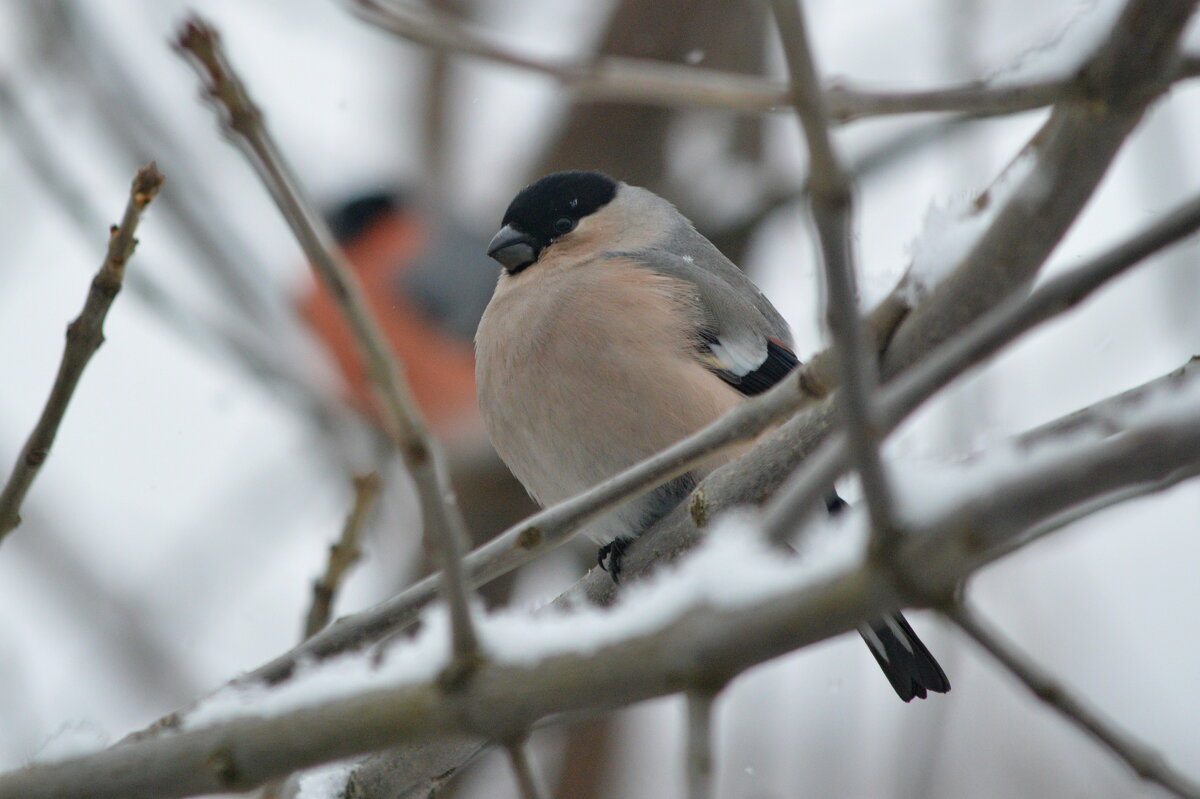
(513, 249)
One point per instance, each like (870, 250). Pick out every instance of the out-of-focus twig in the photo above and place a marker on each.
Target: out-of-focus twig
(444, 527)
(699, 757)
(1146, 762)
(207, 333)
(528, 784)
(343, 554)
(641, 80)
(832, 208)
(84, 336)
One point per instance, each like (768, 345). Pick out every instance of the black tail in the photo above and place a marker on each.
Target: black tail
(904, 659)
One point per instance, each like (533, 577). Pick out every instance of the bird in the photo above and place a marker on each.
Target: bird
(615, 330)
(427, 281)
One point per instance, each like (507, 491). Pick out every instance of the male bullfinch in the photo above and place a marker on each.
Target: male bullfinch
(616, 330)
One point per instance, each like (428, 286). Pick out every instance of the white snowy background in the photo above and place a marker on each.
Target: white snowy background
(171, 539)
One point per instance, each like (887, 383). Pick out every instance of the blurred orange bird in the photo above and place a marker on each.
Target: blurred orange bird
(427, 281)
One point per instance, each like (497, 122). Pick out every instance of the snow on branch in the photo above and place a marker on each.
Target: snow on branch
(734, 603)
(804, 489)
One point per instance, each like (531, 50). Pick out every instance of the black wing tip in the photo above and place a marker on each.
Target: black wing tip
(912, 674)
(778, 364)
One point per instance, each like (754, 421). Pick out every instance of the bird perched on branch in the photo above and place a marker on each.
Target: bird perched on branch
(616, 330)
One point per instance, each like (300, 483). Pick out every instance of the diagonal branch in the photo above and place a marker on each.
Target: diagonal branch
(1069, 156)
(694, 644)
(1143, 760)
(832, 207)
(651, 82)
(801, 494)
(84, 337)
(343, 553)
(445, 531)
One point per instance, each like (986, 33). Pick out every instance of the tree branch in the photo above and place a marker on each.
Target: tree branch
(1143, 760)
(700, 643)
(832, 207)
(651, 82)
(84, 336)
(343, 554)
(1070, 154)
(445, 531)
(801, 495)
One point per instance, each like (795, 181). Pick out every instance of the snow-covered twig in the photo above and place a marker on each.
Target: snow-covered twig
(445, 529)
(803, 491)
(84, 336)
(832, 207)
(1146, 762)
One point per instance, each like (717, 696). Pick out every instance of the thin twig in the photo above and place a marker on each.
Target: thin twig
(1146, 762)
(832, 208)
(801, 494)
(651, 82)
(207, 333)
(343, 554)
(84, 337)
(528, 784)
(700, 769)
(445, 530)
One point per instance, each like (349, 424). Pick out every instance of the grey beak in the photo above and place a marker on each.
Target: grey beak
(513, 249)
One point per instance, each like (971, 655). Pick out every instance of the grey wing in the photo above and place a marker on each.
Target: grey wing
(686, 239)
(739, 342)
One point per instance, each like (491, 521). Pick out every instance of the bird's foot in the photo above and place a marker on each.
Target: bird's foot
(610, 557)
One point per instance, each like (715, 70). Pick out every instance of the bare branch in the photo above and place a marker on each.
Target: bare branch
(832, 206)
(802, 492)
(639, 80)
(1146, 762)
(207, 333)
(84, 336)
(343, 554)
(444, 527)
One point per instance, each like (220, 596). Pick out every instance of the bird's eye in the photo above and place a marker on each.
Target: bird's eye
(564, 225)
